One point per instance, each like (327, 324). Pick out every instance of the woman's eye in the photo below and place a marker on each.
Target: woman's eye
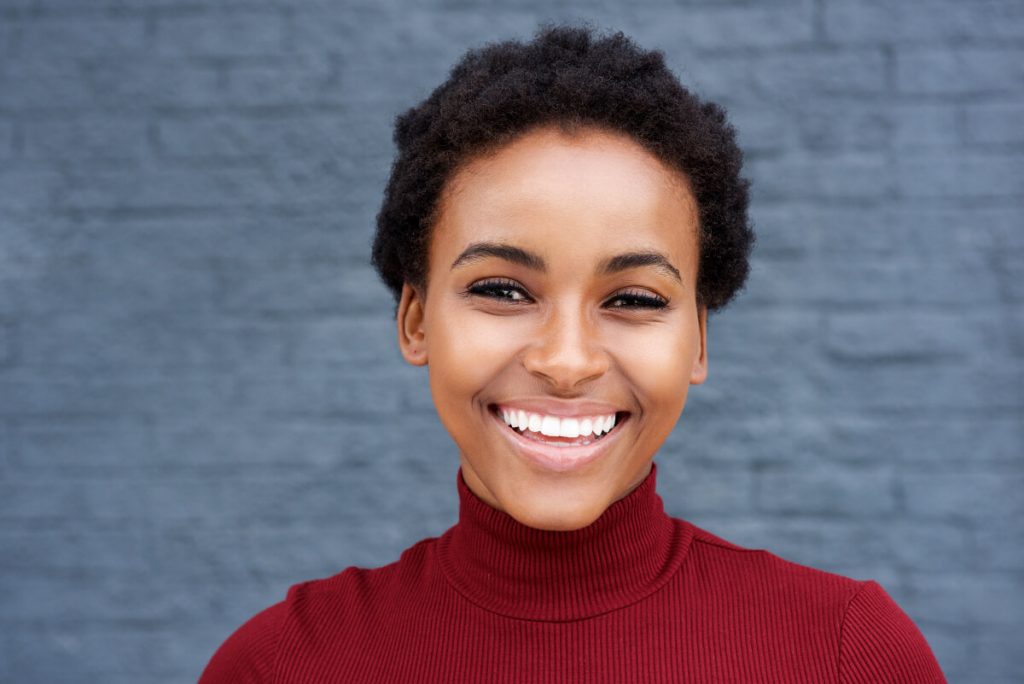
(505, 290)
(636, 300)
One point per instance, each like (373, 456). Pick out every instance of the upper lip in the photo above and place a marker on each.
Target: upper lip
(560, 407)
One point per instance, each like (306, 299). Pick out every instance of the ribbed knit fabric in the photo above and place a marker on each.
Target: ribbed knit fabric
(637, 596)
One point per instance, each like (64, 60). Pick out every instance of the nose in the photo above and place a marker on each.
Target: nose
(567, 351)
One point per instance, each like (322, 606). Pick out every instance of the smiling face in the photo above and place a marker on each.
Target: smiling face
(561, 291)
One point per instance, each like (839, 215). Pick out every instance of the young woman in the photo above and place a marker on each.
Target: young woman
(560, 220)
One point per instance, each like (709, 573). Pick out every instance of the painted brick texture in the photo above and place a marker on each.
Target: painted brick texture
(202, 401)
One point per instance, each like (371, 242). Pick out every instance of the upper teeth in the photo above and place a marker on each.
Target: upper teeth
(553, 426)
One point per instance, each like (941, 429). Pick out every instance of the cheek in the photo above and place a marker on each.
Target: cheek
(466, 351)
(658, 361)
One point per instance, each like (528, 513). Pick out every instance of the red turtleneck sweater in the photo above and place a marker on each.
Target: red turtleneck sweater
(636, 596)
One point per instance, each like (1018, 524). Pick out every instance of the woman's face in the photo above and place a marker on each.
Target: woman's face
(560, 291)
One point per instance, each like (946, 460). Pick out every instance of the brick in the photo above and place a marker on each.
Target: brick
(42, 394)
(998, 656)
(934, 441)
(697, 489)
(348, 341)
(411, 35)
(83, 36)
(786, 335)
(292, 286)
(203, 443)
(273, 136)
(786, 77)
(85, 444)
(1009, 268)
(964, 495)
(245, 499)
(830, 126)
(864, 233)
(849, 543)
(994, 548)
(835, 490)
(786, 229)
(744, 390)
(994, 124)
(75, 548)
(151, 343)
(37, 501)
(968, 175)
(963, 278)
(959, 70)
(857, 22)
(25, 188)
(289, 82)
(225, 33)
(292, 182)
(7, 343)
(978, 601)
(143, 84)
(313, 393)
(7, 141)
(852, 176)
(114, 593)
(44, 84)
(918, 389)
(912, 335)
(717, 27)
(102, 284)
(764, 130)
(953, 648)
(86, 138)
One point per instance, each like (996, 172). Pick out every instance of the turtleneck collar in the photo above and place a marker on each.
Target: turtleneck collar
(504, 566)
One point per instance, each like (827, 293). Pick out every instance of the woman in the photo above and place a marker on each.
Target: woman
(561, 218)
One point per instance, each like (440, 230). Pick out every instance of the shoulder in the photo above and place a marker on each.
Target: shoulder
(313, 609)
(877, 641)
(760, 571)
(880, 643)
(247, 655)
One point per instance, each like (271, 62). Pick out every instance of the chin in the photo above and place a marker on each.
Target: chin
(556, 515)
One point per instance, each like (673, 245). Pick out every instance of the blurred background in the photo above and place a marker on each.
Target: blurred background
(201, 396)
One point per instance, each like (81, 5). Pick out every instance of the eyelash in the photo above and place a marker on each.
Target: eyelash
(488, 288)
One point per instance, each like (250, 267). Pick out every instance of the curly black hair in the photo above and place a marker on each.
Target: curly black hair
(569, 77)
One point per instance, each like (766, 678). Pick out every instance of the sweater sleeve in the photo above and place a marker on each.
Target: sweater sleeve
(880, 643)
(247, 656)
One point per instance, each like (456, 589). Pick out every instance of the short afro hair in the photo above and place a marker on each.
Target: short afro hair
(569, 77)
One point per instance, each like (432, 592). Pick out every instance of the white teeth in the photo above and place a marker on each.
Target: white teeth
(553, 426)
(550, 426)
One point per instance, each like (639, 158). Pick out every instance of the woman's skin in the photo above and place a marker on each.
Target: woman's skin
(565, 332)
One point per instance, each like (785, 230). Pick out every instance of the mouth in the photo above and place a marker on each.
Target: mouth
(559, 445)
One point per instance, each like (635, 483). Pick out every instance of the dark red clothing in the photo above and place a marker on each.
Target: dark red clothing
(637, 596)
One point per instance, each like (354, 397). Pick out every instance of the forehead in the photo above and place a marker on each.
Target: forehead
(550, 189)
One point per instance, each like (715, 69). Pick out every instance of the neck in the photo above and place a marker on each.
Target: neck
(507, 567)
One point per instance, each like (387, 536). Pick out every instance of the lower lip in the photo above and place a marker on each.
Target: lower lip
(558, 458)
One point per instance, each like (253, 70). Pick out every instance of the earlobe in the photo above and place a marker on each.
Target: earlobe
(700, 365)
(412, 337)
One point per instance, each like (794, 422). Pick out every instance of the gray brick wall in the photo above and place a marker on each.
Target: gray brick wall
(201, 400)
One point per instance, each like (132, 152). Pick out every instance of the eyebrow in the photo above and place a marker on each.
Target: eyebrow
(518, 255)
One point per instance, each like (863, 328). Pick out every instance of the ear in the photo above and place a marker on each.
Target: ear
(412, 337)
(700, 364)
